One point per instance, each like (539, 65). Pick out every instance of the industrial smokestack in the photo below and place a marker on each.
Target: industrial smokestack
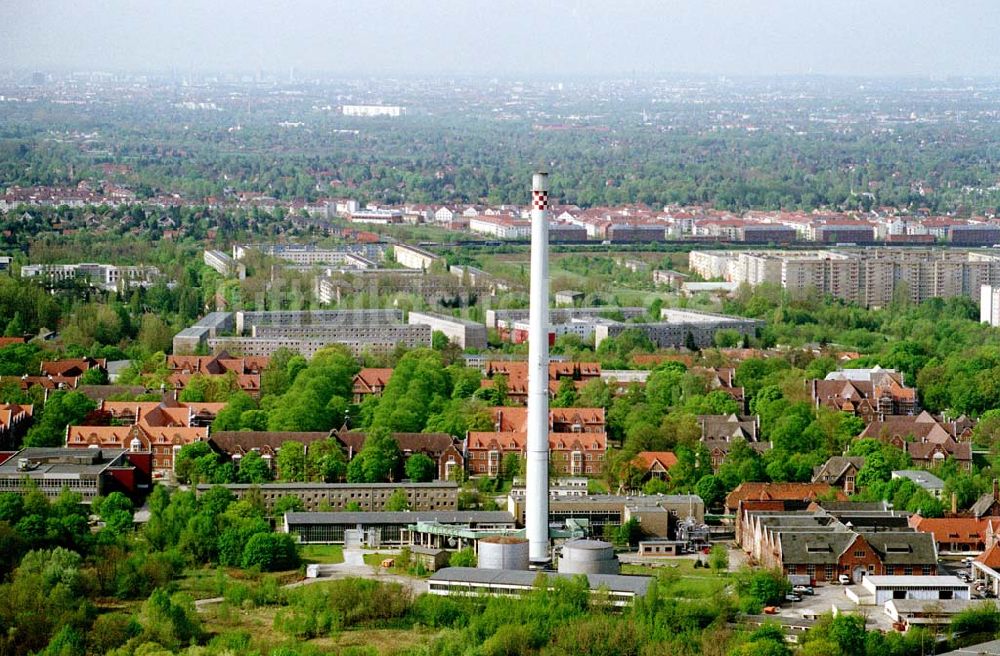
(537, 492)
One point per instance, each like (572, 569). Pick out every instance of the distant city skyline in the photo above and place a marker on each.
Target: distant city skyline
(517, 38)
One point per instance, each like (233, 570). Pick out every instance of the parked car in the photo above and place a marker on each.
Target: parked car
(803, 590)
(772, 610)
(844, 579)
(792, 597)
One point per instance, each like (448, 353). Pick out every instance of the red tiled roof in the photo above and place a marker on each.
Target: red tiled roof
(518, 440)
(749, 491)
(990, 557)
(951, 529)
(647, 459)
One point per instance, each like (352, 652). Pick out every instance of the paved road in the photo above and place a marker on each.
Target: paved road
(353, 567)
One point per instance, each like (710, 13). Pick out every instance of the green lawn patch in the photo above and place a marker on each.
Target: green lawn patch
(326, 554)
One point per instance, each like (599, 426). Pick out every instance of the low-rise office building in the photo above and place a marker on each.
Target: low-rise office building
(370, 497)
(377, 529)
(881, 589)
(657, 514)
(88, 472)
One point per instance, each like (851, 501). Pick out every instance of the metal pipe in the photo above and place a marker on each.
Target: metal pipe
(537, 492)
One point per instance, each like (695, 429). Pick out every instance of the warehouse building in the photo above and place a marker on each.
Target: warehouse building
(619, 590)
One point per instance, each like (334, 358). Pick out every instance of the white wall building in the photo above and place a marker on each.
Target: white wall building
(373, 110)
(989, 305)
(927, 588)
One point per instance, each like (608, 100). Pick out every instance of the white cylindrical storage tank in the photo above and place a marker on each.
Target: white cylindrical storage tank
(588, 557)
(503, 552)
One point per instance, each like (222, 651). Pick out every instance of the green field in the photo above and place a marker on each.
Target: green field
(327, 554)
(679, 578)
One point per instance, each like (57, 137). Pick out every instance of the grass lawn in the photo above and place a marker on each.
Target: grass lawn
(679, 578)
(375, 559)
(327, 554)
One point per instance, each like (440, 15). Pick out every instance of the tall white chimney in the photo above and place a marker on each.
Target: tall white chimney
(537, 492)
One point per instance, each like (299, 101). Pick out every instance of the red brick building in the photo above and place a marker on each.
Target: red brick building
(245, 370)
(516, 373)
(573, 454)
(370, 382)
(159, 428)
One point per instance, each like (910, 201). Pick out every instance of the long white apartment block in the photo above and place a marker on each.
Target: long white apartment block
(872, 277)
(465, 333)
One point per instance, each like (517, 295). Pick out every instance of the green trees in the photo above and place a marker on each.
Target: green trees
(325, 462)
(318, 398)
(768, 640)
(420, 468)
(566, 396)
(759, 588)
(61, 410)
(116, 513)
(292, 462)
(270, 552)
(397, 501)
(230, 418)
(718, 558)
(253, 469)
(378, 460)
(419, 387)
(198, 463)
(463, 558)
(169, 621)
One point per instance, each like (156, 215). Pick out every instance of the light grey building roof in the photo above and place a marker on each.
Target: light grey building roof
(332, 486)
(924, 479)
(634, 500)
(991, 648)
(983, 505)
(637, 585)
(57, 462)
(916, 581)
(403, 517)
(939, 605)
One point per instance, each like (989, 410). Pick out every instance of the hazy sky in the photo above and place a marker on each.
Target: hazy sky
(507, 37)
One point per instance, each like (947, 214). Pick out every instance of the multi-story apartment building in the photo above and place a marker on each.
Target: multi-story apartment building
(224, 264)
(679, 328)
(870, 277)
(465, 333)
(105, 276)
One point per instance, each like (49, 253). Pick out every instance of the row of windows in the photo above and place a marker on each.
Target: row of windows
(49, 484)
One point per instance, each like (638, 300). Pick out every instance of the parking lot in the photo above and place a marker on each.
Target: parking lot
(831, 596)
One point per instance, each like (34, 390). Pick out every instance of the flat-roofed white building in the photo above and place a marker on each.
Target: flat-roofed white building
(413, 257)
(465, 333)
(224, 264)
(880, 589)
(369, 111)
